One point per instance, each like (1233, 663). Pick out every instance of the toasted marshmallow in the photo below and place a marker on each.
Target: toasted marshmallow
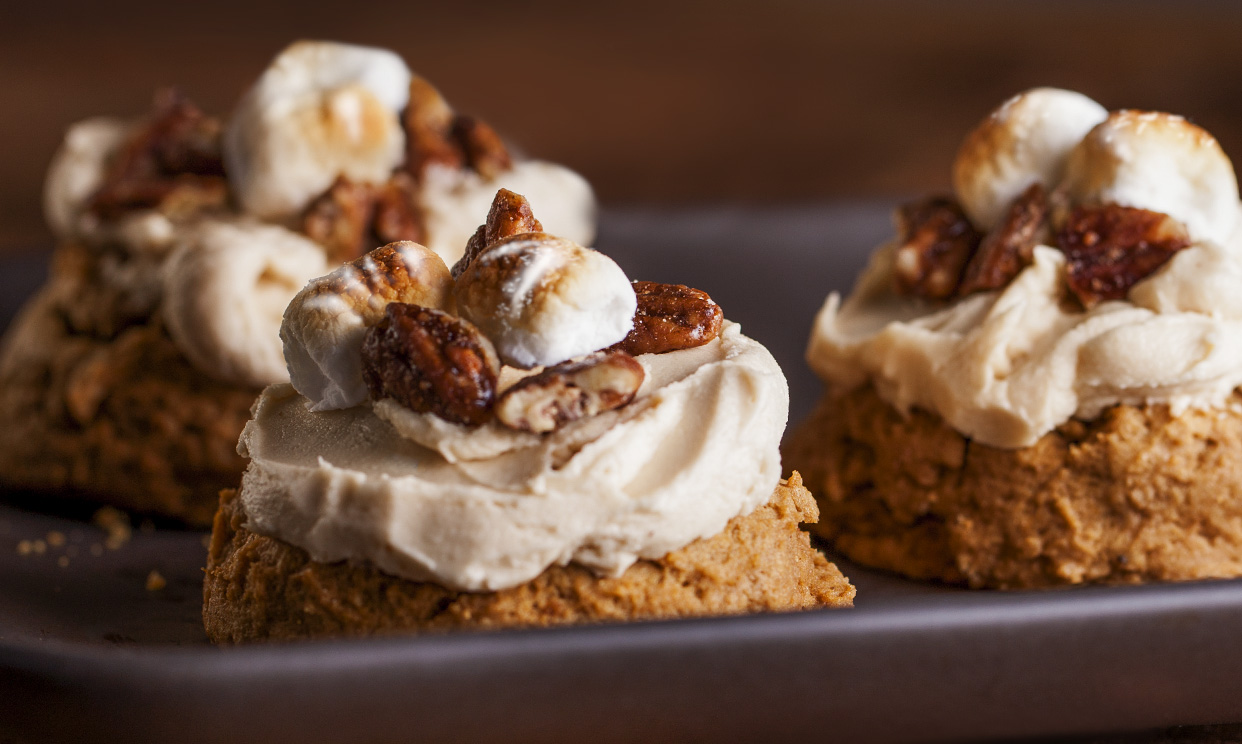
(321, 110)
(542, 300)
(1161, 162)
(326, 322)
(451, 200)
(78, 170)
(226, 283)
(1027, 139)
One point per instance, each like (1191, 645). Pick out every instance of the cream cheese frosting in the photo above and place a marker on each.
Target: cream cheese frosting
(484, 509)
(1007, 367)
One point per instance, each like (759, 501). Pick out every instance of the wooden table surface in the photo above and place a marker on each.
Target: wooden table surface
(655, 102)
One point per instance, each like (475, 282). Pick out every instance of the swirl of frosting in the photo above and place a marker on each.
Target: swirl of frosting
(489, 508)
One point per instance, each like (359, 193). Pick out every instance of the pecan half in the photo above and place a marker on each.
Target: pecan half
(1110, 248)
(570, 391)
(435, 134)
(340, 219)
(431, 362)
(509, 215)
(396, 212)
(670, 317)
(1009, 248)
(174, 156)
(937, 240)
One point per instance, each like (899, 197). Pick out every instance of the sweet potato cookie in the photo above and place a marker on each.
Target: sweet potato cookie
(1136, 495)
(260, 588)
(101, 406)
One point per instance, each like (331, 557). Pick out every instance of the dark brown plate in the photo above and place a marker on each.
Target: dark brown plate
(88, 653)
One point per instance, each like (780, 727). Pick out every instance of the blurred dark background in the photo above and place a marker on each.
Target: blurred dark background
(785, 101)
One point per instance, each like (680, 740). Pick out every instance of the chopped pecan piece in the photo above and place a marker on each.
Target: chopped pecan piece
(937, 240)
(670, 317)
(435, 134)
(570, 391)
(480, 144)
(431, 362)
(174, 156)
(340, 219)
(1110, 248)
(1010, 247)
(396, 211)
(351, 218)
(510, 215)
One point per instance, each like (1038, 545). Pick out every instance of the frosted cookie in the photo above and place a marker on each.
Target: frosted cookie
(543, 443)
(1035, 382)
(186, 236)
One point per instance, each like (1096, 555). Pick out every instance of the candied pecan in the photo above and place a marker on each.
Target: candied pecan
(670, 317)
(340, 219)
(509, 215)
(1110, 248)
(174, 154)
(480, 144)
(1010, 247)
(570, 391)
(937, 240)
(431, 362)
(428, 130)
(396, 212)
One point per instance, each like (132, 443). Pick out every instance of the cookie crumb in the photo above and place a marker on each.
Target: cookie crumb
(63, 561)
(55, 538)
(116, 524)
(155, 581)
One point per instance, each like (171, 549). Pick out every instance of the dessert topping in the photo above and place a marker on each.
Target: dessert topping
(1111, 248)
(1009, 248)
(570, 391)
(351, 217)
(937, 240)
(171, 162)
(431, 362)
(324, 324)
(671, 317)
(510, 215)
(435, 134)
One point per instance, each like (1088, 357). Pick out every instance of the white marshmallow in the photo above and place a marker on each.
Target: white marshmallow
(1026, 140)
(451, 200)
(1159, 162)
(326, 322)
(320, 110)
(77, 171)
(226, 284)
(542, 300)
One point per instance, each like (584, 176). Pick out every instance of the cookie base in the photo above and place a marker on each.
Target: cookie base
(1136, 495)
(116, 414)
(261, 588)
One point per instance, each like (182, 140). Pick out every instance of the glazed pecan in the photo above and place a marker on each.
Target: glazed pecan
(172, 159)
(435, 134)
(570, 391)
(340, 219)
(1110, 248)
(483, 150)
(351, 218)
(937, 240)
(1009, 248)
(670, 317)
(431, 362)
(509, 215)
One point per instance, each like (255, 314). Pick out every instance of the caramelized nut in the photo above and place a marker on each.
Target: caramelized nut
(509, 215)
(670, 317)
(431, 362)
(1010, 247)
(570, 391)
(937, 240)
(174, 155)
(1110, 248)
(483, 150)
(428, 123)
(396, 213)
(340, 219)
